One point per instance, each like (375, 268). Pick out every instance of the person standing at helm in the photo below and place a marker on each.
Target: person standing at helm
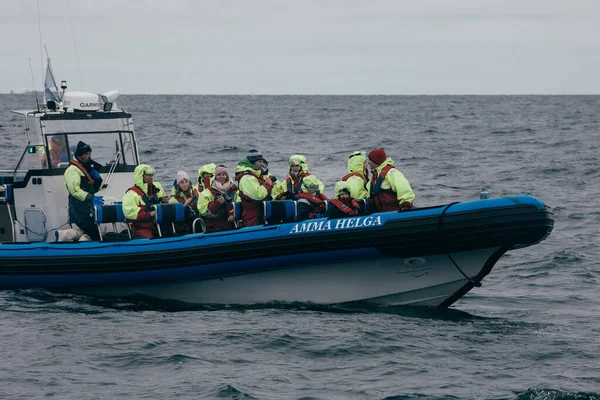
(83, 181)
(357, 177)
(292, 185)
(57, 150)
(140, 200)
(253, 185)
(389, 189)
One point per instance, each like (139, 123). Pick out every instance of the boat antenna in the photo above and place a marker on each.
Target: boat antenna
(34, 89)
(75, 44)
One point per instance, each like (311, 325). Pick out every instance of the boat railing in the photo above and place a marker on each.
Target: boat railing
(14, 175)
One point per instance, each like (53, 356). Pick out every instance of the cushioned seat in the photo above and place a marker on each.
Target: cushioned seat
(237, 213)
(110, 214)
(279, 211)
(167, 215)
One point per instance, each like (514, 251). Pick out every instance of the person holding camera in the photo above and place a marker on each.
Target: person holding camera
(255, 185)
(139, 202)
(215, 202)
(186, 194)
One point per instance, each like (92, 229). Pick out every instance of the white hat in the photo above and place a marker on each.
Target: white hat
(181, 175)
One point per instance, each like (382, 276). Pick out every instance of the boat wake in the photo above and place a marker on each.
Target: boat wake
(38, 300)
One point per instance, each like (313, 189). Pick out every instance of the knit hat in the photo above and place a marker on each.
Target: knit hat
(254, 155)
(221, 168)
(378, 156)
(82, 148)
(181, 175)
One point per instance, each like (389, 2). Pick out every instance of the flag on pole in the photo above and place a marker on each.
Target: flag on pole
(50, 87)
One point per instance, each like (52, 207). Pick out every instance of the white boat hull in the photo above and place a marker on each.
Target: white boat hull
(428, 280)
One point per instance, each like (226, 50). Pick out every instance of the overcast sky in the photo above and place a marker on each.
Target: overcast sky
(306, 46)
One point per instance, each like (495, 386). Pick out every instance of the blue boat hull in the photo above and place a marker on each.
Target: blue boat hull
(430, 256)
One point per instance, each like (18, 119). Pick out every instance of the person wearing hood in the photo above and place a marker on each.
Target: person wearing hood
(311, 200)
(254, 185)
(389, 189)
(344, 201)
(206, 175)
(187, 195)
(293, 183)
(357, 177)
(83, 181)
(139, 202)
(215, 203)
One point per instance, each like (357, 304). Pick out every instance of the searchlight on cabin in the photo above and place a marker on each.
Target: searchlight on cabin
(109, 98)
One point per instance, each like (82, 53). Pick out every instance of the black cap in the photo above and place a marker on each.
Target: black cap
(254, 155)
(82, 148)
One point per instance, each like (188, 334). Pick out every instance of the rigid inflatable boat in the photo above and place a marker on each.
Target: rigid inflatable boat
(425, 256)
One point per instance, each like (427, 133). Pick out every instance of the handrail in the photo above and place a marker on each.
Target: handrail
(111, 171)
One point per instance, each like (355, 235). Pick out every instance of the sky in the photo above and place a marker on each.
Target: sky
(345, 47)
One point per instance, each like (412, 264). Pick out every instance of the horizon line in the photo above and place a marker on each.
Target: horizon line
(27, 92)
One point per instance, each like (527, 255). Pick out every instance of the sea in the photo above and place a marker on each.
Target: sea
(532, 331)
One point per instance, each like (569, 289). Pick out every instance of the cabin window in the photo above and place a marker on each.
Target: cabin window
(56, 151)
(107, 148)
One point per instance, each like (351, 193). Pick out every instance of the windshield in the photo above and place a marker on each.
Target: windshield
(107, 148)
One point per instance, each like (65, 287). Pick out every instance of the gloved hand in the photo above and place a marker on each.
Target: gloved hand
(95, 175)
(150, 207)
(98, 200)
(406, 205)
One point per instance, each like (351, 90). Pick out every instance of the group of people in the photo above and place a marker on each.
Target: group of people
(370, 176)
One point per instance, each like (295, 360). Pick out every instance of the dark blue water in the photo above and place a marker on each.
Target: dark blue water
(531, 332)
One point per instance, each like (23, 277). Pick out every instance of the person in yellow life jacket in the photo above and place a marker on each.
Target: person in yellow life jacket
(292, 185)
(83, 181)
(254, 186)
(216, 203)
(206, 175)
(187, 195)
(311, 201)
(344, 202)
(139, 202)
(357, 177)
(389, 189)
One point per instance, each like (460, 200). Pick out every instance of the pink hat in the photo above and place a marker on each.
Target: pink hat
(221, 168)
(378, 156)
(181, 175)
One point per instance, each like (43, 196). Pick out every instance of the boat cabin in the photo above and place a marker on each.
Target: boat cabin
(33, 195)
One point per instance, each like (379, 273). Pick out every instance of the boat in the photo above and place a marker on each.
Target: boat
(430, 256)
